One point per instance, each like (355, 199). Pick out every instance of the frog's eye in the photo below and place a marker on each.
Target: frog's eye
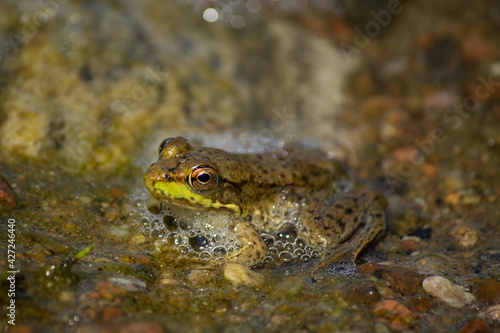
(162, 145)
(203, 178)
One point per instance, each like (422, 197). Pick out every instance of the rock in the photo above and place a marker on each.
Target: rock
(476, 326)
(200, 277)
(448, 292)
(108, 291)
(397, 315)
(128, 283)
(421, 303)
(431, 264)
(466, 236)
(488, 291)
(111, 312)
(401, 280)
(239, 275)
(357, 293)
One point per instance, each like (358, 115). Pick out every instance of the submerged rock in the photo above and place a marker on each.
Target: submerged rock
(448, 292)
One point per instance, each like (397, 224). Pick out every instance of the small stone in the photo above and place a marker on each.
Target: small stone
(401, 280)
(476, 326)
(452, 198)
(471, 199)
(239, 275)
(72, 228)
(128, 283)
(289, 286)
(110, 313)
(488, 291)
(431, 264)
(421, 303)
(108, 291)
(412, 243)
(448, 292)
(397, 315)
(357, 293)
(466, 236)
(200, 277)
(7, 195)
(138, 239)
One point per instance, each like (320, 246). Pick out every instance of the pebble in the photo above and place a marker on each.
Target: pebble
(362, 294)
(239, 275)
(7, 195)
(109, 313)
(476, 326)
(200, 277)
(488, 291)
(431, 264)
(400, 280)
(465, 235)
(108, 291)
(128, 283)
(446, 291)
(421, 303)
(396, 314)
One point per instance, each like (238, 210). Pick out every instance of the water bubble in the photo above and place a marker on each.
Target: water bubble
(183, 249)
(199, 243)
(268, 260)
(205, 255)
(289, 247)
(269, 240)
(305, 257)
(183, 225)
(174, 238)
(169, 222)
(287, 231)
(273, 251)
(219, 251)
(286, 256)
(300, 243)
(298, 253)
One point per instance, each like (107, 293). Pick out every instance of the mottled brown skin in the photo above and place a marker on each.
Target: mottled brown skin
(341, 220)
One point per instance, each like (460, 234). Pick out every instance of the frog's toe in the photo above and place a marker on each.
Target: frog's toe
(343, 252)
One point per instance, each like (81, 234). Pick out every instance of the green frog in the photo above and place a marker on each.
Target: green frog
(245, 192)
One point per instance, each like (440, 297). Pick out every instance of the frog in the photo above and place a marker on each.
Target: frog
(338, 215)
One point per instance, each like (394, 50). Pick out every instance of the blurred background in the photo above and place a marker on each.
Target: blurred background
(405, 93)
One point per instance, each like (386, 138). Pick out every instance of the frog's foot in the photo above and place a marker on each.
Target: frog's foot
(373, 222)
(253, 248)
(239, 275)
(335, 255)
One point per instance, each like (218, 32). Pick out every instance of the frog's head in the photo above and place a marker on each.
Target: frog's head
(188, 177)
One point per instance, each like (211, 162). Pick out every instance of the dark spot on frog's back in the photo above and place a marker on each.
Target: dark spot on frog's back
(348, 211)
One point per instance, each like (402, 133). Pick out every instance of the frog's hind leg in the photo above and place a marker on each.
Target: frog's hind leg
(253, 248)
(358, 218)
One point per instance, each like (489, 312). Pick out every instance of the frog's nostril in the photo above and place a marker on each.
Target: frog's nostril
(166, 176)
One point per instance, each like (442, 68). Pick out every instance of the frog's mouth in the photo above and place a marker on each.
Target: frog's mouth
(181, 195)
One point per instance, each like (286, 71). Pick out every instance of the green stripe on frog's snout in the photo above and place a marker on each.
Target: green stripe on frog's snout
(172, 191)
